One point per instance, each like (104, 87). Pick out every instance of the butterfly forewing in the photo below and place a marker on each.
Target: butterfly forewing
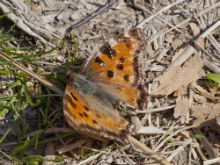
(118, 64)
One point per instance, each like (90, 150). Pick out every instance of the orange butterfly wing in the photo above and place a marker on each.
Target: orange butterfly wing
(77, 111)
(89, 116)
(119, 66)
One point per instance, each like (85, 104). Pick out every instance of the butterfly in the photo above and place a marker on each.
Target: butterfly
(111, 75)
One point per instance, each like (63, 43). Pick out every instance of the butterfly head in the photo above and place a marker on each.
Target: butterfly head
(70, 75)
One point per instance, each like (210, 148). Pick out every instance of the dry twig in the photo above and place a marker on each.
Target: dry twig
(157, 13)
(90, 16)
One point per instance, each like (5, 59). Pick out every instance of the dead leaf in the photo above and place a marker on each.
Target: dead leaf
(195, 28)
(185, 133)
(196, 31)
(179, 76)
(182, 110)
(205, 112)
(150, 51)
(181, 91)
(50, 154)
(176, 43)
(199, 98)
(204, 92)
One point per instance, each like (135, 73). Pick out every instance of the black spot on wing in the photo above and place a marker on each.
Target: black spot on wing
(107, 50)
(81, 114)
(126, 77)
(110, 74)
(72, 104)
(74, 97)
(120, 67)
(99, 61)
(122, 59)
(85, 114)
(95, 122)
(86, 108)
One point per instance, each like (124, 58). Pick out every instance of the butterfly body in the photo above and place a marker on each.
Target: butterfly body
(111, 75)
(88, 88)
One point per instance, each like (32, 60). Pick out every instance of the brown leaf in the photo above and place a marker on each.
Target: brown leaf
(179, 76)
(205, 112)
(182, 110)
(176, 43)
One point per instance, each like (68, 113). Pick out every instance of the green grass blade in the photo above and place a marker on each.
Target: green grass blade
(56, 138)
(4, 15)
(18, 130)
(214, 77)
(7, 98)
(3, 111)
(28, 97)
(15, 84)
(4, 136)
(76, 47)
(20, 148)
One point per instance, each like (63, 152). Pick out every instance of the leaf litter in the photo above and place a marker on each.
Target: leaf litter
(182, 46)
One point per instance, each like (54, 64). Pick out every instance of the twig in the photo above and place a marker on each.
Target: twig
(157, 13)
(144, 148)
(209, 9)
(173, 134)
(90, 16)
(206, 145)
(209, 30)
(197, 147)
(89, 159)
(5, 155)
(50, 131)
(213, 67)
(190, 49)
(176, 152)
(155, 109)
(212, 161)
(32, 74)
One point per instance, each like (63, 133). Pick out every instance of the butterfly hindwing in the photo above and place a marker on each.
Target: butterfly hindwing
(78, 112)
(90, 114)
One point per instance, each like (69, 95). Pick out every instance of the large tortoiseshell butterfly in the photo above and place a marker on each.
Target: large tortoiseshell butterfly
(111, 75)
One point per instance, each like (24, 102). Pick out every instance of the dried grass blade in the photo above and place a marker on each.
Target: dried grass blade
(32, 74)
(144, 148)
